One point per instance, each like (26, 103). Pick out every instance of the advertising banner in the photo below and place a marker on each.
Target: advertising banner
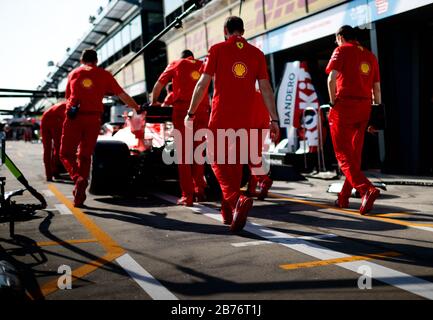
(298, 107)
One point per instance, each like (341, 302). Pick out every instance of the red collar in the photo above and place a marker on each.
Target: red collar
(352, 43)
(236, 38)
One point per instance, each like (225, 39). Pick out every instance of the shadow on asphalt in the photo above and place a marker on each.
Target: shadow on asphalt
(207, 284)
(160, 220)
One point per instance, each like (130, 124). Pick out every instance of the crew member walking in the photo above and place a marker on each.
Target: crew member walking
(353, 80)
(236, 66)
(184, 74)
(260, 121)
(51, 132)
(86, 87)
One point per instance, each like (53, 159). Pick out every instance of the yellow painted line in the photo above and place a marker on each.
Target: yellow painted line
(111, 246)
(392, 214)
(61, 243)
(114, 250)
(80, 272)
(352, 212)
(321, 263)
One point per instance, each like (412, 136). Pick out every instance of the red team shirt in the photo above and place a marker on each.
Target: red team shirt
(260, 117)
(184, 74)
(87, 85)
(358, 71)
(236, 66)
(55, 114)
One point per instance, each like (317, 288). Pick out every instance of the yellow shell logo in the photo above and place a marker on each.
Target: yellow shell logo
(240, 69)
(240, 45)
(87, 83)
(195, 75)
(365, 68)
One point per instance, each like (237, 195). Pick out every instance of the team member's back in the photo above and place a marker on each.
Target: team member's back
(237, 66)
(184, 74)
(357, 73)
(88, 84)
(51, 131)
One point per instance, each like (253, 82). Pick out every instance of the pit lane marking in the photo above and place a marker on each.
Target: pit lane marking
(354, 213)
(260, 242)
(48, 193)
(63, 209)
(114, 252)
(61, 243)
(144, 279)
(79, 273)
(386, 275)
(321, 263)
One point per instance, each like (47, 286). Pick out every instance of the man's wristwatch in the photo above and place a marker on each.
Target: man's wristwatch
(277, 121)
(331, 104)
(190, 114)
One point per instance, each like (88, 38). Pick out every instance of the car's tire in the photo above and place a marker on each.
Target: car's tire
(110, 168)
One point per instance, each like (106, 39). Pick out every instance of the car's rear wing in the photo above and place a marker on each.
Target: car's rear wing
(158, 114)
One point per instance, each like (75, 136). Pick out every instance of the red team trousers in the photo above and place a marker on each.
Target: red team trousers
(191, 176)
(347, 132)
(229, 175)
(51, 138)
(78, 142)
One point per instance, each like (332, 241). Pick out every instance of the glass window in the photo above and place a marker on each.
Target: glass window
(110, 47)
(126, 35)
(102, 54)
(138, 70)
(136, 27)
(117, 39)
(171, 5)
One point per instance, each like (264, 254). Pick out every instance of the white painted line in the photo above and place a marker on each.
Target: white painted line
(394, 278)
(48, 193)
(260, 242)
(250, 243)
(430, 229)
(319, 237)
(386, 275)
(144, 279)
(63, 209)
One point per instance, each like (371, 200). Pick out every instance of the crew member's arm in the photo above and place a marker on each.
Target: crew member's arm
(198, 94)
(377, 93)
(377, 99)
(68, 88)
(332, 85)
(163, 79)
(156, 91)
(269, 99)
(130, 102)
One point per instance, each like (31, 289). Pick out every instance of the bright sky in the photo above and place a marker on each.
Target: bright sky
(33, 32)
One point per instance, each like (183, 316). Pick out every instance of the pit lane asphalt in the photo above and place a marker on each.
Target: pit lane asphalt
(295, 246)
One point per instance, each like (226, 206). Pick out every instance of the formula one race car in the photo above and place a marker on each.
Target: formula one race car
(131, 159)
